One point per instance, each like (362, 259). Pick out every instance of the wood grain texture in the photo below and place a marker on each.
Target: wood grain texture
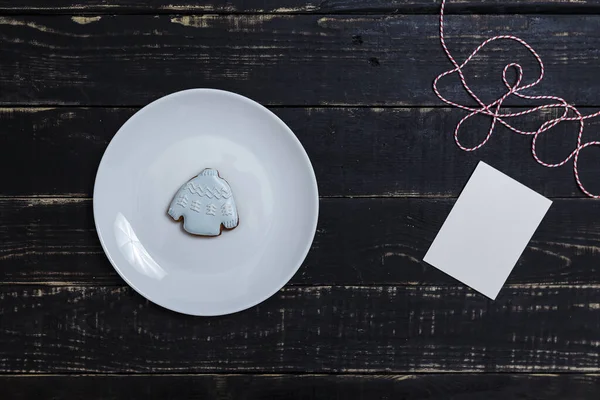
(298, 6)
(130, 60)
(355, 152)
(304, 387)
(363, 303)
(529, 328)
(358, 241)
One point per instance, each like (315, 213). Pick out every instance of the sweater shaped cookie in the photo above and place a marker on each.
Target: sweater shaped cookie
(206, 203)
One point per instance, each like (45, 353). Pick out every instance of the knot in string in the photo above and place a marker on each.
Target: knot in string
(495, 111)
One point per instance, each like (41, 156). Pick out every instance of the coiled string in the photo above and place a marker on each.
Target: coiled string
(494, 109)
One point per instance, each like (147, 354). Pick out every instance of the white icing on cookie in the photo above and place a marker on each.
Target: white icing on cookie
(205, 202)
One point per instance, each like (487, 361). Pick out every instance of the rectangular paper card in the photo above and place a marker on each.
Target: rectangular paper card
(486, 232)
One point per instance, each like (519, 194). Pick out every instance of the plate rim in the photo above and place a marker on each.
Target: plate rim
(306, 161)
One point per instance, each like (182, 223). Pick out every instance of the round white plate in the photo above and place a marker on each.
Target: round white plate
(169, 142)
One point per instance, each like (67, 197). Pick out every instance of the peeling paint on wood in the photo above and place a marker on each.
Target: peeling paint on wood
(194, 21)
(39, 27)
(130, 60)
(82, 20)
(236, 23)
(326, 329)
(303, 6)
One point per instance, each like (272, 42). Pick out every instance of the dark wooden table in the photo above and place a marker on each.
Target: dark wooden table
(364, 317)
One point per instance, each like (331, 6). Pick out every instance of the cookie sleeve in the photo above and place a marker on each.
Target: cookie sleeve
(178, 204)
(229, 213)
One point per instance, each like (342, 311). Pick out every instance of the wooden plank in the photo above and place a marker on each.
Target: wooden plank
(355, 152)
(130, 60)
(304, 387)
(298, 6)
(382, 242)
(314, 329)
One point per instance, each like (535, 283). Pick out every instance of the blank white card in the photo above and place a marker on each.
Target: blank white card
(486, 232)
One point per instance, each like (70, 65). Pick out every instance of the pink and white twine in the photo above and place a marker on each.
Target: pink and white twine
(494, 109)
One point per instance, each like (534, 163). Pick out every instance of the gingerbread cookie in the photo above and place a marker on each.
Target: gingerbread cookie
(206, 204)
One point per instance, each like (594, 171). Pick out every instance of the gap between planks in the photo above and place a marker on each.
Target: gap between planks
(433, 8)
(400, 106)
(382, 287)
(49, 199)
(383, 374)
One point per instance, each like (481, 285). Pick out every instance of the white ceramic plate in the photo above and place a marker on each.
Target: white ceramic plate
(169, 142)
